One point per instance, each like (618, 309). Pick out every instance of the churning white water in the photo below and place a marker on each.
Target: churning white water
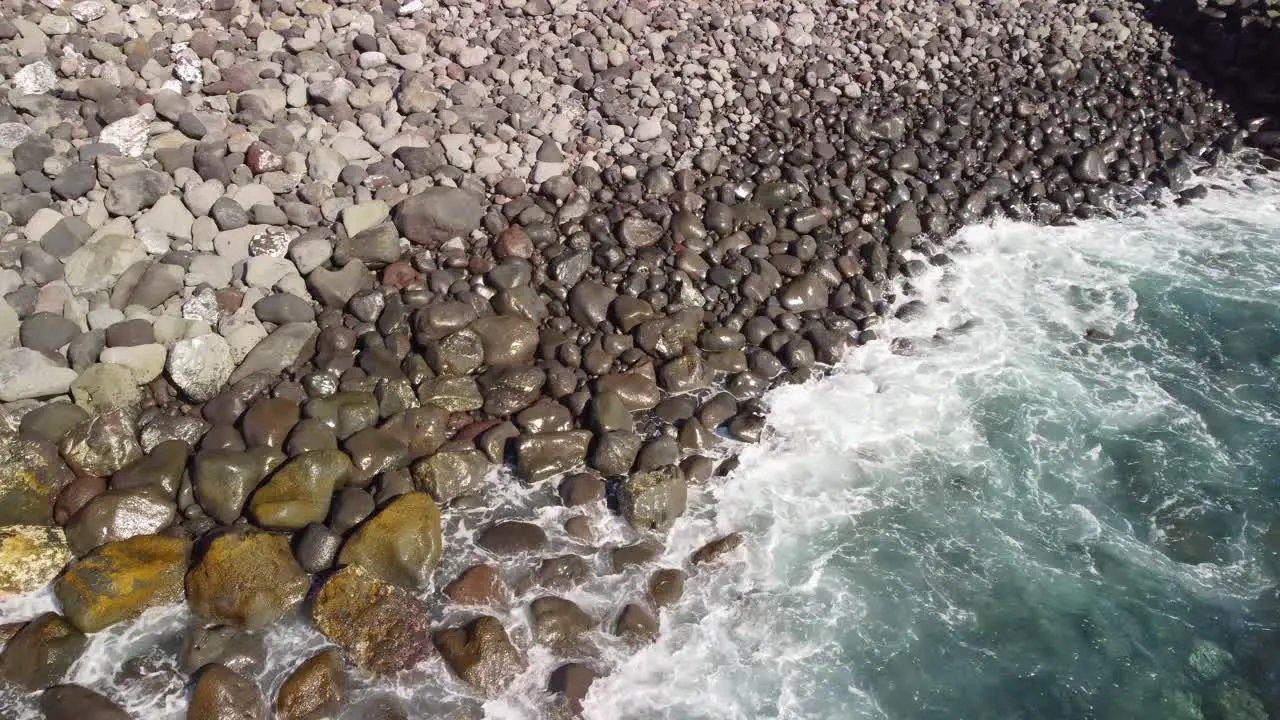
(1047, 496)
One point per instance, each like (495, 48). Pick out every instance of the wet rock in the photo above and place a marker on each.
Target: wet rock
(299, 492)
(451, 474)
(118, 515)
(31, 476)
(542, 456)
(373, 451)
(223, 480)
(572, 681)
(477, 585)
(102, 445)
(30, 556)
(316, 548)
(73, 702)
(636, 391)
(438, 214)
(562, 573)
(249, 579)
(315, 689)
(636, 554)
(226, 645)
(581, 489)
(119, 580)
(589, 303)
(560, 624)
(40, 654)
(222, 694)
(717, 549)
(346, 412)
(653, 500)
(269, 421)
(480, 654)
(666, 587)
(511, 537)
(636, 625)
(420, 430)
(401, 544)
(614, 453)
(506, 341)
(382, 628)
(52, 422)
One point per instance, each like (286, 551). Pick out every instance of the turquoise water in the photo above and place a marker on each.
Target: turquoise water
(1051, 497)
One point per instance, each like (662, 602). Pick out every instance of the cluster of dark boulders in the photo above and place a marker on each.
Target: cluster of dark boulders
(261, 342)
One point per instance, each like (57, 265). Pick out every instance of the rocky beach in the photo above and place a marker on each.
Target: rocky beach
(416, 326)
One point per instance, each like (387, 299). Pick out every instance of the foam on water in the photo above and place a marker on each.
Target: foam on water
(978, 524)
(986, 514)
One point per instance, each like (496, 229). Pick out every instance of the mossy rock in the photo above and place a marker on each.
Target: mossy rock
(382, 628)
(119, 580)
(299, 493)
(30, 557)
(401, 544)
(248, 578)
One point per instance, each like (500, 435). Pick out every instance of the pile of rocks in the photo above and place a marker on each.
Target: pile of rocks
(282, 280)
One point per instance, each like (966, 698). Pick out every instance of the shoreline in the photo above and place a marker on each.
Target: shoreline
(285, 348)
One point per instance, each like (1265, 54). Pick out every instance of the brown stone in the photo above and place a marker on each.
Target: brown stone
(477, 585)
(316, 688)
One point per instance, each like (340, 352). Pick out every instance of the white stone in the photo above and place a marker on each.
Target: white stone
(168, 216)
(129, 134)
(358, 218)
(648, 128)
(38, 78)
(211, 270)
(201, 365)
(242, 338)
(88, 10)
(26, 374)
(101, 262)
(13, 134)
(145, 362)
(101, 318)
(8, 325)
(472, 56)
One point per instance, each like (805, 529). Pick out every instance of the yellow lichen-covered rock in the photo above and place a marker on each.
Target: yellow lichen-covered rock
(248, 578)
(383, 628)
(119, 580)
(401, 544)
(31, 474)
(30, 556)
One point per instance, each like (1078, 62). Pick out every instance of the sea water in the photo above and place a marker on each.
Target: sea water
(1053, 493)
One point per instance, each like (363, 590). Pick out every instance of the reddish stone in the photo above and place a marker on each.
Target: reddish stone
(513, 242)
(477, 585)
(261, 158)
(459, 420)
(229, 299)
(472, 431)
(401, 275)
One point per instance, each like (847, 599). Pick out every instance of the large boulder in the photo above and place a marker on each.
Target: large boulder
(507, 341)
(74, 702)
(315, 689)
(30, 556)
(299, 493)
(41, 653)
(382, 628)
(118, 581)
(117, 515)
(401, 544)
(481, 654)
(560, 624)
(249, 579)
(102, 444)
(546, 455)
(31, 475)
(450, 474)
(222, 694)
(438, 214)
(653, 500)
(223, 480)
